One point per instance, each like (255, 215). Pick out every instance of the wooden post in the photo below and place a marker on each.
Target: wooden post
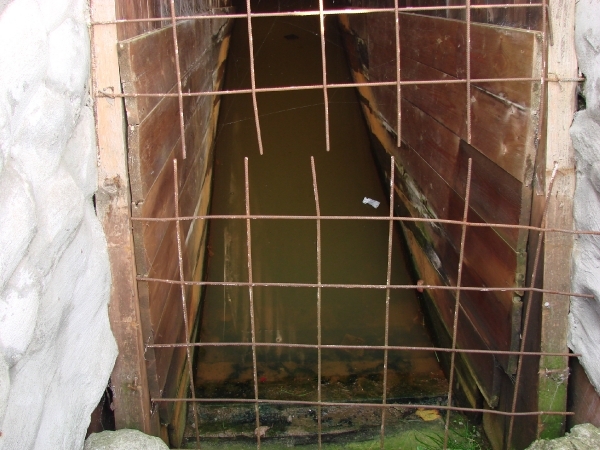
(113, 204)
(562, 63)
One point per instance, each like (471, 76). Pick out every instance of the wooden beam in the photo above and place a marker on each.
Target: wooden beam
(561, 107)
(129, 378)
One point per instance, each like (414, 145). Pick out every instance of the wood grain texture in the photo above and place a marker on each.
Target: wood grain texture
(130, 377)
(433, 158)
(526, 18)
(553, 372)
(136, 9)
(154, 141)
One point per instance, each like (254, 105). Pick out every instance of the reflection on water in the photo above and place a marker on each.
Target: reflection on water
(287, 53)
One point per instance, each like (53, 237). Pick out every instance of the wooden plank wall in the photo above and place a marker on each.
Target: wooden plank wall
(157, 9)
(529, 18)
(129, 382)
(433, 158)
(147, 65)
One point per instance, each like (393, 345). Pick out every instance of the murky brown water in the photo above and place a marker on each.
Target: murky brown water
(288, 52)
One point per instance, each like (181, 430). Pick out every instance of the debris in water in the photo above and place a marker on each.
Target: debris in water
(427, 414)
(261, 431)
(370, 201)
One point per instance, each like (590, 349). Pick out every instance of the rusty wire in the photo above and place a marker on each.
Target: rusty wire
(253, 82)
(469, 107)
(317, 13)
(546, 79)
(541, 233)
(324, 71)
(461, 258)
(398, 76)
(183, 299)
(319, 267)
(265, 401)
(251, 297)
(178, 73)
(396, 218)
(388, 282)
(365, 347)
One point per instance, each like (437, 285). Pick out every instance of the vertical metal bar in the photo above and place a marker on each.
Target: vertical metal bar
(251, 294)
(184, 302)
(468, 20)
(324, 63)
(253, 78)
(398, 78)
(542, 222)
(536, 262)
(387, 302)
(179, 88)
(319, 335)
(544, 74)
(457, 303)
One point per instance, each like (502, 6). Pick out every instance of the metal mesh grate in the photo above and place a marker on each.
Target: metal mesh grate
(540, 229)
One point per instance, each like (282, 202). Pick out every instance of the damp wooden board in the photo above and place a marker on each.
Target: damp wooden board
(491, 313)
(526, 18)
(135, 9)
(504, 122)
(154, 141)
(496, 196)
(147, 67)
(504, 119)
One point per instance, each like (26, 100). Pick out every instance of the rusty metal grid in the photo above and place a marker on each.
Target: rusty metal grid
(541, 229)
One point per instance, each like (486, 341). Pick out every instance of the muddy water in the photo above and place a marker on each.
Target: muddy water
(288, 52)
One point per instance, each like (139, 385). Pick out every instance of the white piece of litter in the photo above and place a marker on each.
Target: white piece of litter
(370, 201)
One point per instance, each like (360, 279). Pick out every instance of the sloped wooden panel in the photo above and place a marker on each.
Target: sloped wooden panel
(433, 158)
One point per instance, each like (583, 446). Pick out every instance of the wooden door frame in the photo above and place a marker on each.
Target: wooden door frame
(129, 380)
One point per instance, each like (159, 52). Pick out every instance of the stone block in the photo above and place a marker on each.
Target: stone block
(41, 136)
(69, 59)
(19, 304)
(80, 157)
(24, 49)
(581, 437)
(59, 209)
(123, 440)
(587, 44)
(17, 221)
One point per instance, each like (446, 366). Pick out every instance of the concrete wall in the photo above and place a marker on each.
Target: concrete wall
(585, 313)
(56, 347)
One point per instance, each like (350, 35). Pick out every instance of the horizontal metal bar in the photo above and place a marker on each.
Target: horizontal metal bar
(554, 79)
(380, 218)
(363, 405)
(363, 286)
(362, 347)
(327, 12)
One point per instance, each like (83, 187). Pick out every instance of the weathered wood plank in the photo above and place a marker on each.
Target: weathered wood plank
(148, 61)
(526, 18)
(553, 372)
(496, 52)
(159, 202)
(504, 114)
(135, 9)
(492, 312)
(153, 140)
(170, 327)
(130, 375)
(481, 367)
(495, 196)
(501, 132)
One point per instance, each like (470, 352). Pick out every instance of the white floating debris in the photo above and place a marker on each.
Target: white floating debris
(370, 201)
